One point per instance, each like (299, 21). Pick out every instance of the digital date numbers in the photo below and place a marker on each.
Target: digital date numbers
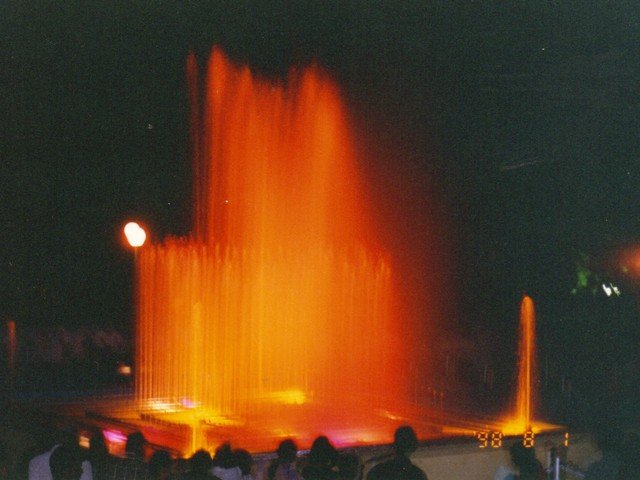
(494, 439)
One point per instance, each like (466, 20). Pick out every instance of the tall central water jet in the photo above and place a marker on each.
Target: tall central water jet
(279, 297)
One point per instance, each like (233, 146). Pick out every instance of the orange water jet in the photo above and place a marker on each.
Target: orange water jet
(527, 379)
(279, 297)
(521, 419)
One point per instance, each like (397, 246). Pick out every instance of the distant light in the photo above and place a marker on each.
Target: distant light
(84, 441)
(135, 234)
(124, 369)
(611, 289)
(163, 406)
(390, 415)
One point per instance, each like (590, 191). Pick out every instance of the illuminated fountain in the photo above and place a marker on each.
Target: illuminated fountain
(278, 316)
(279, 305)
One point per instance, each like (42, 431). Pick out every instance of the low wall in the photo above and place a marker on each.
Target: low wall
(467, 461)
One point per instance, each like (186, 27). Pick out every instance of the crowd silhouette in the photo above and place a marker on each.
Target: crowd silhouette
(59, 457)
(65, 460)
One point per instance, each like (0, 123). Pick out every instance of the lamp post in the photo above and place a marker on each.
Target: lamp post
(136, 236)
(11, 355)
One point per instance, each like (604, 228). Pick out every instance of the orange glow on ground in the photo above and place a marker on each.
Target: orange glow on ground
(517, 427)
(278, 298)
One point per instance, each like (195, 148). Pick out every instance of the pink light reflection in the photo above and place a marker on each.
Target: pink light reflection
(114, 436)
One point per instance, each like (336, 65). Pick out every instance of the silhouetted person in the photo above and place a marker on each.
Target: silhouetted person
(525, 462)
(102, 463)
(321, 463)
(160, 466)
(179, 468)
(65, 463)
(133, 465)
(39, 466)
(399, 467)
(199, 466)
(348, 467)
(225, 464)
(284, 466)
(245, 463)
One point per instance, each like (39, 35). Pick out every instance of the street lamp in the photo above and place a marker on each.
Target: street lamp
(135, 234)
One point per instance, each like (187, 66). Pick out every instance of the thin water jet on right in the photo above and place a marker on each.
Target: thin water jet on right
(527, 372)
(523, 418)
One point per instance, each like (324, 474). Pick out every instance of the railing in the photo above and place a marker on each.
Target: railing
(557, 469)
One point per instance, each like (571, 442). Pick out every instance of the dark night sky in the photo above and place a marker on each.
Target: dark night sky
(504, 137)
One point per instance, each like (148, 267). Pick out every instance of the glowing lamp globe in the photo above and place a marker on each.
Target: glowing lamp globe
(135, 234)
